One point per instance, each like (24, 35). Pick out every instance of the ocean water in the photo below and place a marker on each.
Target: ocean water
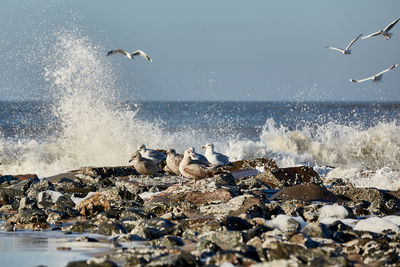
(83, 122)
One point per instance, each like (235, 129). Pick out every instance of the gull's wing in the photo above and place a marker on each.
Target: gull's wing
(112, 52)
(362, 80)
(390, 26)
(352, 42)
(141, 53)
(386, 70)
(372, 34)
(335, 48)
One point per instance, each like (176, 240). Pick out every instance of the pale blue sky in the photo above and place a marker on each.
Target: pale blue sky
(213, 49)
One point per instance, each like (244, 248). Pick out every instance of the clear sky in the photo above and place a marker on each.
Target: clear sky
(213, 49)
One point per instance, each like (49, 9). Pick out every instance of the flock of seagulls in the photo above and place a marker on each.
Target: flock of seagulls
(347, 51)
(190, 165)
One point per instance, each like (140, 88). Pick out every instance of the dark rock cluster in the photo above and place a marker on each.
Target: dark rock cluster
(243, 217)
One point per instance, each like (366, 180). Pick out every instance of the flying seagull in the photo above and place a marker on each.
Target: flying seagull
(377, 77)
(347, 50)
(130, 55)
(385, 32)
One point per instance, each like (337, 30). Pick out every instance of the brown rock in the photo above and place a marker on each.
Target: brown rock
(277, 178)
(23, 177)
(306, 192)
(199, 198)
(93, 204)
(250, 164)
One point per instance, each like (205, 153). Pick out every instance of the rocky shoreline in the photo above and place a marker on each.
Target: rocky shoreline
(256, 214)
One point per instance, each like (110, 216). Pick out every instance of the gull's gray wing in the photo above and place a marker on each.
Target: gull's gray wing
(386, 70)
(390, 26)
(352, 42)
(372, 34)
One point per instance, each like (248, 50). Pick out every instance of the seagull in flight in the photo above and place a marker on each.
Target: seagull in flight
(130, 55)
(385, 32)
(347, 50)
(377, 77)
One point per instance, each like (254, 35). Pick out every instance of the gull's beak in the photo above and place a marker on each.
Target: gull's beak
(203, 147)
(130, 160)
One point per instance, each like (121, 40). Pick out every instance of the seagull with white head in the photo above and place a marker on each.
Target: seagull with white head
(215, 158)
(129, 55)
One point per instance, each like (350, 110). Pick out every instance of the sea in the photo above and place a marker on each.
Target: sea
(82, 122)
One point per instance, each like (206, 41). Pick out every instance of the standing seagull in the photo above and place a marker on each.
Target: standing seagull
(173, 161)
(347, 50)
(129, 55)
(215, 158)
(385, 32)
(377, 77)
(189, 169)
(199, 158)
(142, 165)
(151, 154)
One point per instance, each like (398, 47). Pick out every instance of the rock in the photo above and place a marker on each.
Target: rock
(103, 263)
(93, 204)
(35, 216)
(81, 227)
(379, 200)
(111, 228)
(199, 198)
(180, 259)
(251, 164)
(306, 192)
(319, 230)
(10, 196)
(302, 239)
(167, 241)
(27, 204)
(224, 238)
(235, 223)
(277, 178)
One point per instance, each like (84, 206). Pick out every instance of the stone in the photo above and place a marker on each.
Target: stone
(235, 223)
(111, 228)
(168, 241)
(319, 230)
(306, 192)
(199, 198)
(277, 178)
(93, 204)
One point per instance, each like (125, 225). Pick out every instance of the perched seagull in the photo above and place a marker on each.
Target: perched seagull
(377, 77)
(151, 154)
(215, 158)
(173, 161)
(347, 50)
(130, 55)
(142, 165)
(199, 158)
(385, 32)
(189, 169)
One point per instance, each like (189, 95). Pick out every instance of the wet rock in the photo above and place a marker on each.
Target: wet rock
(81, 227)
(278, 178)
(235, 258)
(93, 204)
(111, 228)
(35, 216)
(235, 223)
(24, 185)
(306, 192)
(27, 204)
(10, 196)
(56, 217)
(168, 241)
(180, 259)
